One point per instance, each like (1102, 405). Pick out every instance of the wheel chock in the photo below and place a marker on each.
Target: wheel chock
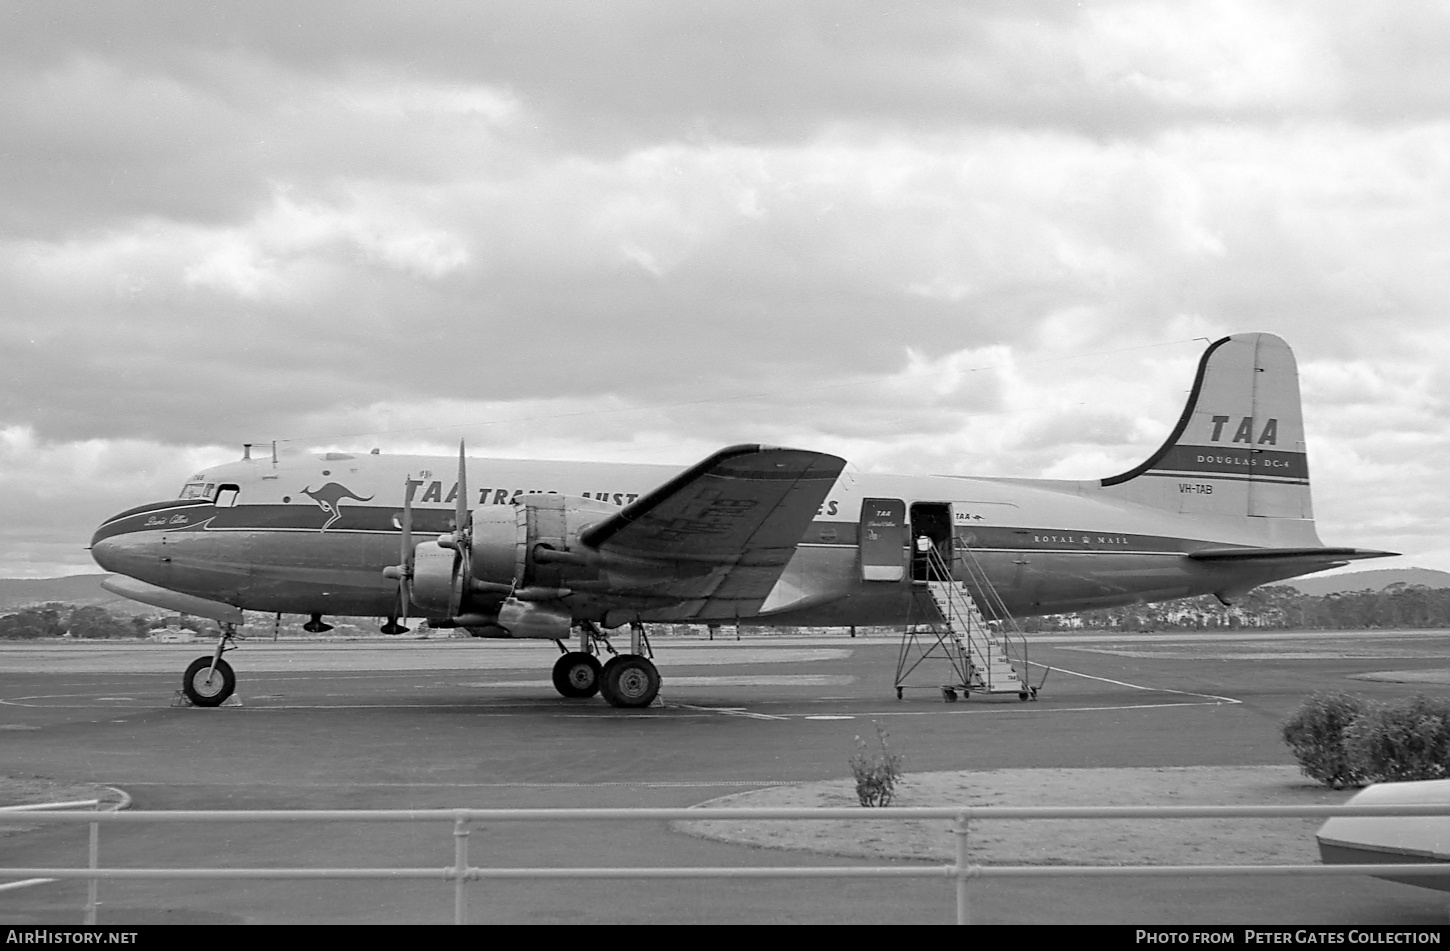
(180, 699)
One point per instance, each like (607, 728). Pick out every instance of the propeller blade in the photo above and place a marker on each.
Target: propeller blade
(460, 512)
(405, 583)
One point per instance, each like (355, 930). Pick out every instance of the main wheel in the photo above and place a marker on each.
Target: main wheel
(630, 680)
(577, 674)
(208, 691)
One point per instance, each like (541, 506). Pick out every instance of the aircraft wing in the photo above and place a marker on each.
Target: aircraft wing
(715, 538)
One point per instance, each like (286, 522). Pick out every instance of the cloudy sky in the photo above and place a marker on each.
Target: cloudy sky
(984, 238)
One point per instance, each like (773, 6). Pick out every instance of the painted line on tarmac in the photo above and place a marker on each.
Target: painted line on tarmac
(743, 680)
(1043, 711)
(727, 711)
(665, 709)
(633, 784)
(93, 701)
(24, 883)
(1124, 683)
(1205, 699)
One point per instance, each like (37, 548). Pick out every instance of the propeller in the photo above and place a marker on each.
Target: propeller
(403, 571)
(461, 538)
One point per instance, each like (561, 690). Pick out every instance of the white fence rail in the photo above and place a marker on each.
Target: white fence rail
(460, 873)
(90, 916)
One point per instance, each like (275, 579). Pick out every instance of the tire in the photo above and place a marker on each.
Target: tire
(577, 675)
(208, 693)
(630, 681)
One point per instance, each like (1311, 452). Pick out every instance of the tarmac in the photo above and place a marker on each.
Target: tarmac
(407, 724)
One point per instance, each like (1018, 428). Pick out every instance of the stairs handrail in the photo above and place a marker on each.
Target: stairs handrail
(980, 643)
(1014, 640)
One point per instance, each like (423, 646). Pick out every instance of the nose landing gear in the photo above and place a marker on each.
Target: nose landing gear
(209, 681)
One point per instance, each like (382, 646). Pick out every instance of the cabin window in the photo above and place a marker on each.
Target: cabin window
(226, 496)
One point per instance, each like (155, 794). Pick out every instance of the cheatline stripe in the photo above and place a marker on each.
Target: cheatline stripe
(1201, 476)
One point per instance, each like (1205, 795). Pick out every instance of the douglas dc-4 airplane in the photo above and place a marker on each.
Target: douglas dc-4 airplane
(772, 536)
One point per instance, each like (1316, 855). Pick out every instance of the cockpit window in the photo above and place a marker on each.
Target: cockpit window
(197, 490)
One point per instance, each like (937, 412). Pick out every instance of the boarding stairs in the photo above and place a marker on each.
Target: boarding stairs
(984, 657)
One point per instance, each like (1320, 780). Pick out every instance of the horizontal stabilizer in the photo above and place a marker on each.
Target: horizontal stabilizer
(1288, 554)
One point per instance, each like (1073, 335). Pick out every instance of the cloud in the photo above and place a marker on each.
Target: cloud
(52, 495)
(931, 237)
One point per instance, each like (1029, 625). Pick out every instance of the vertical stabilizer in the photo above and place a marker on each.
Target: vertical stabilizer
(1238, 448)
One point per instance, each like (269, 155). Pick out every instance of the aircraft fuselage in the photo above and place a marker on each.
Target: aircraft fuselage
(312, 534)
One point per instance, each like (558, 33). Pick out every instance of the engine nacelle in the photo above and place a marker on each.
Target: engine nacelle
(528, 619)
(507, 538)
(522, 548)
(516, 618)
(437, 587)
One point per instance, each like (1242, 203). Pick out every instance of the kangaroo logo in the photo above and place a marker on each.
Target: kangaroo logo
(329, 499)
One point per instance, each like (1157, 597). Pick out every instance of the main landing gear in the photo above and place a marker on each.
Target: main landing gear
(209, 681)
(577, 675)
(625, 680)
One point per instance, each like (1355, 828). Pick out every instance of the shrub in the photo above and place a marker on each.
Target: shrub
(876, 773)
(1405, 740)
(1316, 735)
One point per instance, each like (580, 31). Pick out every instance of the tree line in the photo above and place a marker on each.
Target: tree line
(84, 621)
(1281, 607)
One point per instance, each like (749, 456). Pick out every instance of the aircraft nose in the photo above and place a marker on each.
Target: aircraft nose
(118, 550)
(105, 552)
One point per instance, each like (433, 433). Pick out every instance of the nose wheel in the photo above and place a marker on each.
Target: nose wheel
(208, 685)
(209, 681)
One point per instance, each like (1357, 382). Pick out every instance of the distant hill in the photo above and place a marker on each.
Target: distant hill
(18, 593)
(1373, 580)
(72, 589)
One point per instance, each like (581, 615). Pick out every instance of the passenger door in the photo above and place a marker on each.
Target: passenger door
(883, 539)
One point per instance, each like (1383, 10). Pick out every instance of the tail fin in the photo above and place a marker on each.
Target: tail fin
(1238, 449)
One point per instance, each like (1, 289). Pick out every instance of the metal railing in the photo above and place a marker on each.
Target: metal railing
(460, 873)
(95, 843)
(1014, 641)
